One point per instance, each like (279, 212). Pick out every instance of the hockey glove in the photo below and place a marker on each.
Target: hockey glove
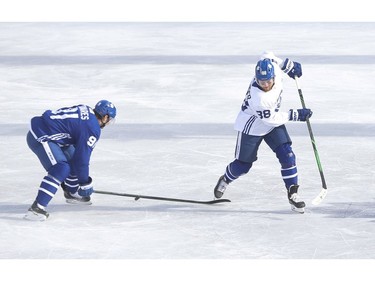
(292, 68)
(300, 114)
(86, 189)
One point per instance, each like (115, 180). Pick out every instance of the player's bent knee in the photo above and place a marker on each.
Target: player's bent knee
(286, 155)
(60, 171)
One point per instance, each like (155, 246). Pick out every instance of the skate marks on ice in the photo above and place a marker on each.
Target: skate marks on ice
(339, 210)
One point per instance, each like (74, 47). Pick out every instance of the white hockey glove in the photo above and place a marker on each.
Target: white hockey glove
(271, 56)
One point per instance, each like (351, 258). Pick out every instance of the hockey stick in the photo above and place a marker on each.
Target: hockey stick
(137, 197)
(323, 192)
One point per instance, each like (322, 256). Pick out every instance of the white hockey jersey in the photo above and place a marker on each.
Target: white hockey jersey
(260, 111)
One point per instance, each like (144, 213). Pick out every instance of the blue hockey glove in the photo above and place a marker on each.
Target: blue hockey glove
(292, 68)
(86, 189)
(300, 114)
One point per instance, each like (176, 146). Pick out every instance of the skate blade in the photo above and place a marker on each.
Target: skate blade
(297, 210)
(31, 216)
(77, 202)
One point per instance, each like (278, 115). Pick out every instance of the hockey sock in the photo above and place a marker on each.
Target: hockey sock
(287, 160)
(236, 169)
(289, 175)
(47, 190)
(71, 184)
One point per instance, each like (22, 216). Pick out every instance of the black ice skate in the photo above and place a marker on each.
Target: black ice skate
(220, 187)
(35, 213)
(75, 198)
(296, 204)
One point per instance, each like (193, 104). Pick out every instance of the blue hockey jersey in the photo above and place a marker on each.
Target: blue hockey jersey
(76, 126)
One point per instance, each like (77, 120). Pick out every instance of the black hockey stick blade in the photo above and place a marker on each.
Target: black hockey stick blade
(137, 197)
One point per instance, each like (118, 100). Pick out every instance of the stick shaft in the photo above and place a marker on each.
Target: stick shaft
(137, 197)
(320, 168)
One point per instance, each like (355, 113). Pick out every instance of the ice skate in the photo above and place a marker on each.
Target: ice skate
(220, 187)
(296, 203)
(35, 213)
(75, 198)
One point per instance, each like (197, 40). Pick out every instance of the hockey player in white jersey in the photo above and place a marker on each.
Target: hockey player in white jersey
(260, 119)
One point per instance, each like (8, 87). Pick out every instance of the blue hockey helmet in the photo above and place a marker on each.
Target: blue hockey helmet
(264, 70)
(104, 107)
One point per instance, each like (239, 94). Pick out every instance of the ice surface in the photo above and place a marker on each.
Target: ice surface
(177, 88)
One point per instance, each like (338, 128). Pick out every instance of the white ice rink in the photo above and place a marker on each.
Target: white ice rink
(177, 88)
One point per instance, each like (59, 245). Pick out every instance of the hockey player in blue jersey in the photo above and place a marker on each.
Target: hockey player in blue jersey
(260, 118)
(63, 140)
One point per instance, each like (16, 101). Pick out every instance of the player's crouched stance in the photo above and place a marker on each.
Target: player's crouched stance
(63, 140)
(260, 119)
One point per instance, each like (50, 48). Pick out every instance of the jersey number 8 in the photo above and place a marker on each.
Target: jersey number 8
(264, 114)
